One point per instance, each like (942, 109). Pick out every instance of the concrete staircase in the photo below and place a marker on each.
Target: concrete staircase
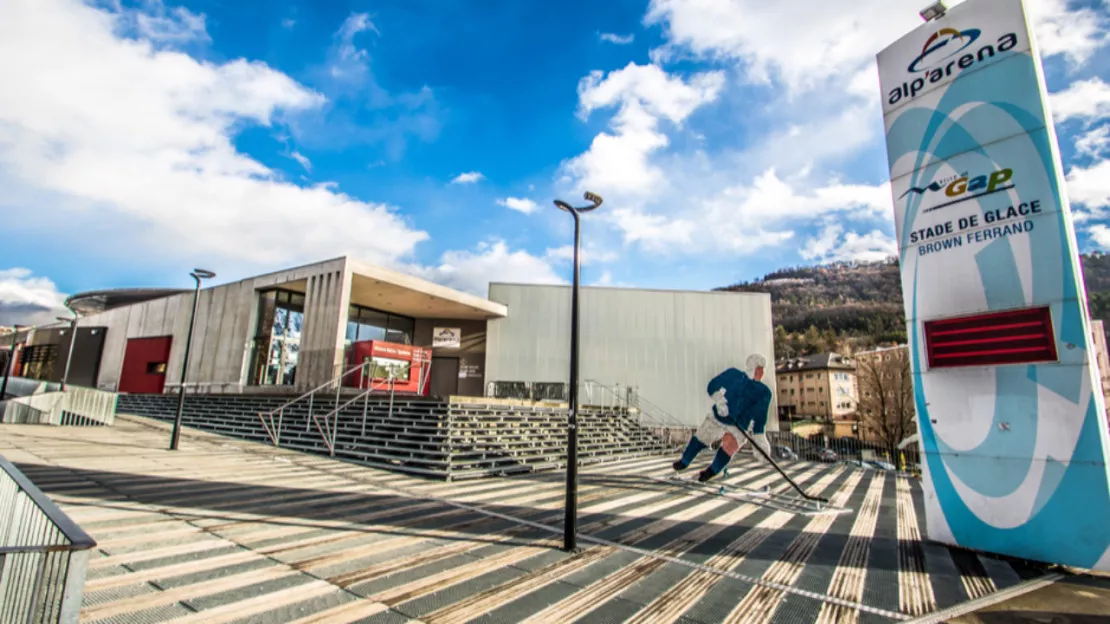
(437, 439)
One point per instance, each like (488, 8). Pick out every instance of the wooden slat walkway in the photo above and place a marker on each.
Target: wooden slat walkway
(230, 531)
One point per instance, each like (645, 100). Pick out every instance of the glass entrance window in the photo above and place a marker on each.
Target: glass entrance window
(370, 324)
(277, 344)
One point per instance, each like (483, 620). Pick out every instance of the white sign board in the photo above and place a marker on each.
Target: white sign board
(446, 337)
(1014, 455)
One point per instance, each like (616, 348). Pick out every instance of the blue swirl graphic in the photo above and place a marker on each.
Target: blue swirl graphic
(1073, 499)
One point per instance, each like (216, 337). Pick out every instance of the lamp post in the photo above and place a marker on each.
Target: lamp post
(197, 274)
(11, 361)
(72, 341)
(570, 523)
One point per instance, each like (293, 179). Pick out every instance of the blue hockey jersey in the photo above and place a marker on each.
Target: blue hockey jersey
(748, 400)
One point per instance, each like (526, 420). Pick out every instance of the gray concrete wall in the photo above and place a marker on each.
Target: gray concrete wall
(667, 344)
(226, 315)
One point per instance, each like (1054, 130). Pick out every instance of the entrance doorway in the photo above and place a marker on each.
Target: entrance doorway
(445, 376)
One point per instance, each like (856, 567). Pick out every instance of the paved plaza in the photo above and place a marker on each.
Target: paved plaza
(230, 531)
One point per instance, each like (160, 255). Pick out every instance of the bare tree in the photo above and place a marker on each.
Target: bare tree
(886, 405)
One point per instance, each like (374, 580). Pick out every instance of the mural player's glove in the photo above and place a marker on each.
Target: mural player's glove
(720, 403)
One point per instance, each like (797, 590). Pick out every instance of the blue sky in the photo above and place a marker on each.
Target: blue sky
(729, 138)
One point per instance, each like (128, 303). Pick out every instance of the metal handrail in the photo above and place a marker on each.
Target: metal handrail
(330, 434)
(662, 418)
(327, 383)
(77, 537)
(275, 433)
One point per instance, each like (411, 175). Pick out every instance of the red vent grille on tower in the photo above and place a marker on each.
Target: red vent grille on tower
(1011, 337)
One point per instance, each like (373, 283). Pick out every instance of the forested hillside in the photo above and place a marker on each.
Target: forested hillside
(849, 306)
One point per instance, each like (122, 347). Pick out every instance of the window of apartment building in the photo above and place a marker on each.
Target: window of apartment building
(821, 390)
(792, 392)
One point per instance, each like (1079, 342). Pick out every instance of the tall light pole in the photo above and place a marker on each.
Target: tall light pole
(11, 361)
(570, 522)
(197, 274)
(72, 341)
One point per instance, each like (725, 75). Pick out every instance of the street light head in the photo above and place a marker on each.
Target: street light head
(593, 197)
(933, 11)
(202, 274)
(563, 205)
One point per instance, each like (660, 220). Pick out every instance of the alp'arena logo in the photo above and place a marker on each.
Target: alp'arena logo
(938, 58)
(943, 44)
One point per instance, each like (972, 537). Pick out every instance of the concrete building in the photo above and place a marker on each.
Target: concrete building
(896, 384)
(819, 387)
(1098, 337)
(278, 333)
(662, 346)
(292, 330)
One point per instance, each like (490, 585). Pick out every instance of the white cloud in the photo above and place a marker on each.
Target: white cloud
(301, 158)
(472, 271)
(617, 39)
(792, 43)
(644, 95)
(1100, 234)
(155, 24)
(469, 177)
(587, 255)
(1075, 32)
(28, 300)
(520, 204)
(654, 232)
(1094, 143)
(115, 131)
(787, 41)
(832, 245)
(349, 61)
(1083, 99)
(1090, 186)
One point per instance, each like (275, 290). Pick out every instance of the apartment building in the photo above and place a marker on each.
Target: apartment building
(818, 387)
(1098, 342)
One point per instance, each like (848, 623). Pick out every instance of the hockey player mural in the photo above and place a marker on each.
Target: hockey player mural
(740, 401)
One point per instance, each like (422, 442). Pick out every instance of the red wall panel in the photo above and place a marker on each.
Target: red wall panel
(144, 365)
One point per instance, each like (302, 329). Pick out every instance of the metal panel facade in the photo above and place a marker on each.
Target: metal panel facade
(668, 344)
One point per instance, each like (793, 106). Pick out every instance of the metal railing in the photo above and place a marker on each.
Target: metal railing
(853, 450)
(273, 429)
(73, 406)
(330, 429)
(628, 397)
(43, 555)
(274, 432)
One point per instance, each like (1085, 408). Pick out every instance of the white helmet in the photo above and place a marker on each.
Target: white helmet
(753, 362)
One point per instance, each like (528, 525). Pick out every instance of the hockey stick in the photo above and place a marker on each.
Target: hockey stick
(797, 488)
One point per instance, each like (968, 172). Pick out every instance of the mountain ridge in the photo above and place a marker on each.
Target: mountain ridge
(852, 306)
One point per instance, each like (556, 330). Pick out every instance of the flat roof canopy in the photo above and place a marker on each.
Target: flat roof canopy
(96, 301)
(391, 291)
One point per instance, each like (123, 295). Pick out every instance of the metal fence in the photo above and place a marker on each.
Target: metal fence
(73, 406)
(788, 445)
(43, 555)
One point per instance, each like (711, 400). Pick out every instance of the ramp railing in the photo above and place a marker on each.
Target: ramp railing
(273, 429)
(73, 406)
(629, 398)
(43, 554)
(330, 427)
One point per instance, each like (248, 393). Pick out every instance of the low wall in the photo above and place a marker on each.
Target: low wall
(73, 406)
